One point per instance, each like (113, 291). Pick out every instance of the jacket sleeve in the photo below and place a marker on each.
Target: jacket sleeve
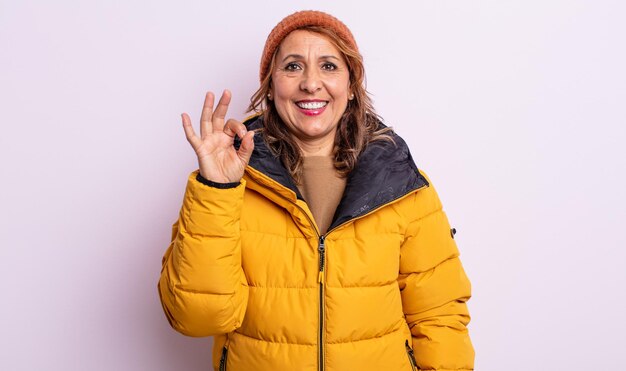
(202, 286)
(434, 288)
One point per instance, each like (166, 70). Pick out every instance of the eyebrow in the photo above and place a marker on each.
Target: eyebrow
(298, 56)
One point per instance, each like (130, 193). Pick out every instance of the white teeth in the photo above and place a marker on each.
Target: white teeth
(311, 105)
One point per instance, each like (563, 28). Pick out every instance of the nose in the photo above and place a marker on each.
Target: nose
(311, 80)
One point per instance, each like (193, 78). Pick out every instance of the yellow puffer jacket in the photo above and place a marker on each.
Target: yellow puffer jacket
(384, 289)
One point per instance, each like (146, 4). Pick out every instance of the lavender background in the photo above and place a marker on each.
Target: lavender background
(515, 109)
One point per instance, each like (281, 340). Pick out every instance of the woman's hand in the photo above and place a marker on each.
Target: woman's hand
(218, 160)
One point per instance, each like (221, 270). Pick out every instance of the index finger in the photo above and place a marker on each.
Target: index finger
(220, 111)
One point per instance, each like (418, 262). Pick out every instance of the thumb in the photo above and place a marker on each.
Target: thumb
(247, 145)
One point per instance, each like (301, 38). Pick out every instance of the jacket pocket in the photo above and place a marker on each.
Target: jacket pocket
(223, 359)
(409, 353)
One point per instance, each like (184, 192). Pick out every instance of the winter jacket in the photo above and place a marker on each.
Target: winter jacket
(383, 289)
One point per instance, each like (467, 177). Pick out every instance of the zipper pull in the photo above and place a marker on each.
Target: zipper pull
(321, 248)
(409, 350)
(223, 359)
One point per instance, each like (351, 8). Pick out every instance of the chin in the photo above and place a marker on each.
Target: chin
(316, 128)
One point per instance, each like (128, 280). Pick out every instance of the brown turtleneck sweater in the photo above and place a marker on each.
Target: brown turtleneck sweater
(322, 188)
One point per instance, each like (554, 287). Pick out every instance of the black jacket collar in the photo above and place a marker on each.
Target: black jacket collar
(384, 172)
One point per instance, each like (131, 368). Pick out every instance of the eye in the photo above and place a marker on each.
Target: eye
(329, 66)
(292, 66)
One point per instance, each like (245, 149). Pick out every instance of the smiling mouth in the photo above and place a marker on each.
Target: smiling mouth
(311, 105)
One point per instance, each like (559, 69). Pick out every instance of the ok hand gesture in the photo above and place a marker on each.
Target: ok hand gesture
(218, 160)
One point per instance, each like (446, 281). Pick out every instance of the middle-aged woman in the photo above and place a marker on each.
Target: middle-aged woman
(308, 239)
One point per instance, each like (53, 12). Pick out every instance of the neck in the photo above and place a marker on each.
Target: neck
(322, 147)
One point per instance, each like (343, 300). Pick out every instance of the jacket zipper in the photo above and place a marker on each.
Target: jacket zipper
(223, 358)
(322, 249)
(409, 352)
(320, 279)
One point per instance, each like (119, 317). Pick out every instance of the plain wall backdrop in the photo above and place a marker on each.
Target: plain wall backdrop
(515, 109)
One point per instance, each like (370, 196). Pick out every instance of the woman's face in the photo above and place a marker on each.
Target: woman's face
(310, 86)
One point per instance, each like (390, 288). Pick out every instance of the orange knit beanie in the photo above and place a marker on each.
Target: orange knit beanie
(298, 20)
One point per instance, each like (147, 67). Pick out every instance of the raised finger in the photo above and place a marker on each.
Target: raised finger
(220, 111)
(192, 138)
(207, 112)
(234, 127)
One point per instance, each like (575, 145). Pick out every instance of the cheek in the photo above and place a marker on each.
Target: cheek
(282, 107)
(281, 98)
(284, 86)
(340, 88)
